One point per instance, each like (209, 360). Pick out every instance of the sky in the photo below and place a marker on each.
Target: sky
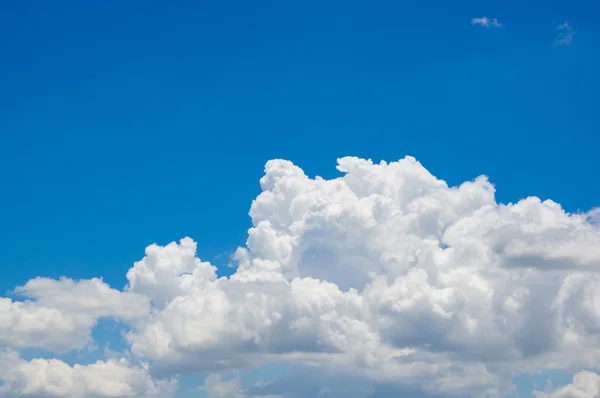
(126, 126)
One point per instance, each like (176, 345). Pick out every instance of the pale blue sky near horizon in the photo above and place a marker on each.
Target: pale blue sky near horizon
(129, 123)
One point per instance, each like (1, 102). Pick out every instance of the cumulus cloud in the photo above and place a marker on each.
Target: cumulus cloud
(386, 279)
(54, 378)
(585, 385)
(58, 315)
(564, 35)
(486, 22)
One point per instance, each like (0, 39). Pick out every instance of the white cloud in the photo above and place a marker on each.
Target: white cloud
(386, 277)
(63, 312)
(28, 325)
(585, 385)
(486, 22)
(54, 378)
(564, 35)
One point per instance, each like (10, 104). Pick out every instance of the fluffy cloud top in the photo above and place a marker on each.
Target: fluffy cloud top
(585, 385)
(385, 279)
(62, 313)
(54, 378)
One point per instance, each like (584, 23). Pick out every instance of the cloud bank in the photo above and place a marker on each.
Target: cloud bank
(380, 282)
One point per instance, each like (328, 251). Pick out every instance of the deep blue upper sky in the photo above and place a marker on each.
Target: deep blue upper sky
(128, 123)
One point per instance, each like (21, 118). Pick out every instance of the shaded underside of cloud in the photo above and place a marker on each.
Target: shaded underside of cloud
(383, 281)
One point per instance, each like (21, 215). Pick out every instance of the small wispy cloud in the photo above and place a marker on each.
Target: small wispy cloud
(593, 216)
(486, 22)
(564, 35)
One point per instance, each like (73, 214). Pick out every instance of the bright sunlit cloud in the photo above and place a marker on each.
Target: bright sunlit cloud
(385, 279)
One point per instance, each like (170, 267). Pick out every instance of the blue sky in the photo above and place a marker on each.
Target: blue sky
(129, 123)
